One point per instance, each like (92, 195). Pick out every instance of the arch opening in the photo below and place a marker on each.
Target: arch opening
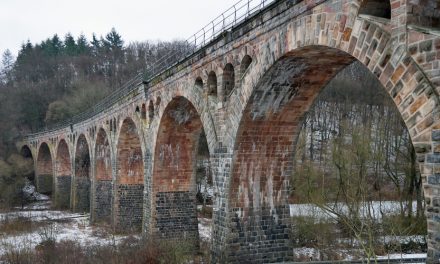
(228, 80)
(103, 182)
(377, 8)
(44, 170)
(130, 179)
(144, 112)
(212, 84)
(264, 149)
(181, 150)
(244, 65)
(151, 111)
(199, 83)
(354, 151)
(26, 153)
(82, 182)
(63, 180)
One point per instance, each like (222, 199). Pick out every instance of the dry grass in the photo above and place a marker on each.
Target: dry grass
(130, 251)
(17, 224)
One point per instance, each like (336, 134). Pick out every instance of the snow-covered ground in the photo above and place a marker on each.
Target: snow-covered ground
(313, 254)
(65, 225)
(374, 208)
(61, 225)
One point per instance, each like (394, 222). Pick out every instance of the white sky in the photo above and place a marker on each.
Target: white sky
(135, 20)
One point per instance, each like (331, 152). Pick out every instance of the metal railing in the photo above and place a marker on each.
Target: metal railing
(408, 260)
(233, 16)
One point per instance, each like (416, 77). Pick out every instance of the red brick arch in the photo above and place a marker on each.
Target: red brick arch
(63, 175)
(44, 179)
(129, 178)
(174, 171)
(82, 179)
(102, 192)
(277, 93)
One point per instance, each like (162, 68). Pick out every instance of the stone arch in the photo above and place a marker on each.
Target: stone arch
(199, 83)
(261, 166)
(102, 193)
(26, 153)
(174, 170)
(144, 112)
(129, 185)
(63, 176)
(82, 181)
(377, 8)
(150, 111)
(228, 80)
(44, 179)
(212, 85)
(244, 65)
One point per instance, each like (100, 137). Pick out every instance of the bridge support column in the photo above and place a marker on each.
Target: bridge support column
(243, 234)
(432, 196)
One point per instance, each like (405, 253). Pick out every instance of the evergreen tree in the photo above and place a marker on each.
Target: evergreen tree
(113, 40)
(96, 45)
(70, 47)
(82, 45)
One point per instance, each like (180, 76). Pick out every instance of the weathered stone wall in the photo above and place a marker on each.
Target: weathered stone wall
(103, 191)
(44, 183)
(432, 196)
(82, 195)
(130, 179)
(82, 181)
(129, 207)
(176, 216)
(103, 201)
(422, 12)
(44, 170)
(174, 183)
(63, 176)
(62, 191)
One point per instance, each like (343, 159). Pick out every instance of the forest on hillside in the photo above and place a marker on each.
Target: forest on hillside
(60, 77)
(55, 79)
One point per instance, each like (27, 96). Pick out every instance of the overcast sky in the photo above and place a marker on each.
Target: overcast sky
(135, 20)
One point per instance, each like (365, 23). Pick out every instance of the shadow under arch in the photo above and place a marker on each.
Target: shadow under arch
(63, 176)
(44, 179)
(262, 163)
(102, 192)
(26, 153)
(174, 212)
(129, 186)
(82, 181)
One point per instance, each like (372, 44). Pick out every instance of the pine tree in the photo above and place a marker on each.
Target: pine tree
(70, 47)
(113, 40)
(82, 45)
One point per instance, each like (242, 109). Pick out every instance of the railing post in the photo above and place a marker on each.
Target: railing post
(235, 15)
(213, 28)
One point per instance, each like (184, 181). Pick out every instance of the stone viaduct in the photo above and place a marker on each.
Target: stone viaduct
(246, 92)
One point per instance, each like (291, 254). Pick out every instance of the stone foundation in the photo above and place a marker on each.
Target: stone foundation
(129, 207)
(82, 195)
(176, 216)
(44, 183)
(262, 236)
(103, 201)
(62, 191)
